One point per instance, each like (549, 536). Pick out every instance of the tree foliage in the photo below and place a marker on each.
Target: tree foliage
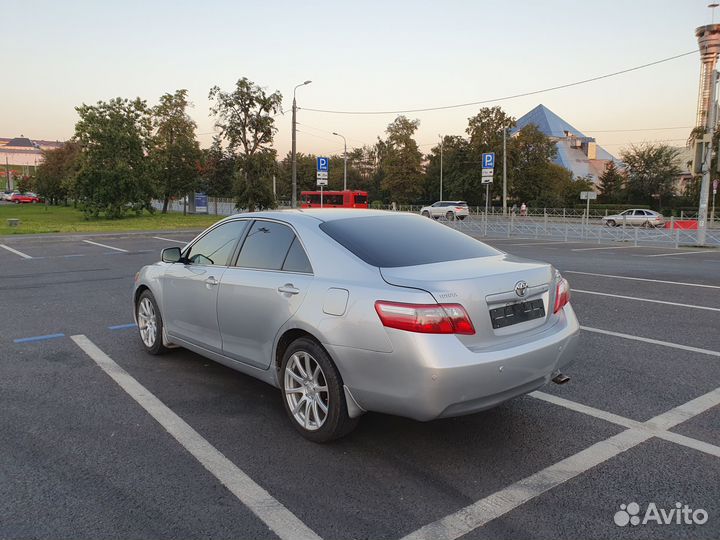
(56, 174)
(401, 161)
(175, 153)
(245, 118)
(532, 154)
(113, 137)
(651, 172)
(612, 184)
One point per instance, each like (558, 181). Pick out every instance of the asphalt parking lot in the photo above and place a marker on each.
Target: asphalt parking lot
(100, 440)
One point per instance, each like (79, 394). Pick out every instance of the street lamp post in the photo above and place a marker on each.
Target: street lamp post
(441, 164)
(344, 161)
(294, 146)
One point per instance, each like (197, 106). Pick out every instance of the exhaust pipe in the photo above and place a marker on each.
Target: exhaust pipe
(560, 378)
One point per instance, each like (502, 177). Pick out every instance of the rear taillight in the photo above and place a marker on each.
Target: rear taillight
(425, 318)
(562, 294)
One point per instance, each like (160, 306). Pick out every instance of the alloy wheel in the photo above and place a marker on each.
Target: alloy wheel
(306, 391)
(147, 322)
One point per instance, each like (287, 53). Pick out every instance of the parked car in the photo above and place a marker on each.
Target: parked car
(5, 195)
(21, 198)
(348, 311)
(638, 217)
(447, 209)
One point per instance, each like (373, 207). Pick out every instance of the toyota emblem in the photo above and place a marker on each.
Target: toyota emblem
(520, 288)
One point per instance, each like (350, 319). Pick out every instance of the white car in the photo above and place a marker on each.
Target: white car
(636, 217)
(450, 210)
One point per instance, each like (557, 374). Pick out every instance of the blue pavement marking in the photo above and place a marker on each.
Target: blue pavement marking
(122, 326)
(38, 338)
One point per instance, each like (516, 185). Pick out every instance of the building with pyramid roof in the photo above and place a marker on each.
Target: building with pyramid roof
(577, 152)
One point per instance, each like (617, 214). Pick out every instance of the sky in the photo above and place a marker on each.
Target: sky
(360, 56)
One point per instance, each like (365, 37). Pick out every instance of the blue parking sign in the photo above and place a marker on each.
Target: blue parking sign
(323, 164)
(488, 161)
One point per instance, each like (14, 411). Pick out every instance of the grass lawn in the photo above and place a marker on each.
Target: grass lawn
(37, 218)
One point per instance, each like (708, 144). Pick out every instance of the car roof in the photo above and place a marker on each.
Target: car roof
(299, 215)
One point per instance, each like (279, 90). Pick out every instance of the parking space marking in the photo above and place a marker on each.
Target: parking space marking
(596, 248)
(16, 252)
(645, 300)
(676, 253)
(105, 246)
(500, 503)
(38, 338)
(643, 279)
(170, 240)
(122, 326)
(496, 505)
(544, 243)
(654, 426)
(271, 511)
(653, 341)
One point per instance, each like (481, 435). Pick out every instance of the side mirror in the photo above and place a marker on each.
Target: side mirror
(171, 255)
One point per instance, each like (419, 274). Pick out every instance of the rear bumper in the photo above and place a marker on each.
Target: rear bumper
(436, 376)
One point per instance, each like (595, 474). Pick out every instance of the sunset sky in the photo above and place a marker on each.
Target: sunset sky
(363, 56)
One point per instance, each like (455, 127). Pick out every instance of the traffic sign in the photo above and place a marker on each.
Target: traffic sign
(588, 195)
(322, 175)
(323, 164)
(487, 172)
(488, 160)
(322, 181)
(487, 180)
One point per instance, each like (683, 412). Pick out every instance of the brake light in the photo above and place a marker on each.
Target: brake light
(425, 318)
(562, 294)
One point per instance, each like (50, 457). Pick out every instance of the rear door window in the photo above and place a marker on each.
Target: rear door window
(266, 246)
(296, 259)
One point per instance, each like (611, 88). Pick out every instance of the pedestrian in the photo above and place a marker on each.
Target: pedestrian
(513, 210)
(523, 209)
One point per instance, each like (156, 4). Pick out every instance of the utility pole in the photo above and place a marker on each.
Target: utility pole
(705, 185)
(344, 161)
(294, 146)
(441, 164)
(8, 179)
(504, 171)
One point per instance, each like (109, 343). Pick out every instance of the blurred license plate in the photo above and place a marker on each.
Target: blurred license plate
(517, 313)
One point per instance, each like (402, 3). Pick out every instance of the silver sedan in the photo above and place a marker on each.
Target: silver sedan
(348, 311)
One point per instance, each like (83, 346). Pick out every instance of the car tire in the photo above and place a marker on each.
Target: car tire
(646, 225)
(426, 214)
(461, 218)
(150, 323)
(610, 223)
(450, 216)
(304, 398)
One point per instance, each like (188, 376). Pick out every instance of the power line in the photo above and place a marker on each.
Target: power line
(514, 96)
(638, 129)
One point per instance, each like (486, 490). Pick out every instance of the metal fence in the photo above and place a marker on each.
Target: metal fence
(585, 230)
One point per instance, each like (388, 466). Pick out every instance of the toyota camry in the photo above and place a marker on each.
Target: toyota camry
(348, 311)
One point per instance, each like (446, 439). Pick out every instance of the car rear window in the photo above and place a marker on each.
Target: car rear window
(403, 240)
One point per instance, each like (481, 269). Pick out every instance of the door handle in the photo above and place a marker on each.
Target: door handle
(288, 288)
(211, 281)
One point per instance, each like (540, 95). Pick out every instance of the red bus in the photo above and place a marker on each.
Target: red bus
(334, 199)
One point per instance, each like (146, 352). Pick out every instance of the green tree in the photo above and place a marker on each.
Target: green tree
(175, 153)
(245, 117)
(461, 172)
(114, 137)
(56, 174)
(217, 170)
(485, 132)
(651, 173)
(612, 184)
(532, 154)
(401, 161)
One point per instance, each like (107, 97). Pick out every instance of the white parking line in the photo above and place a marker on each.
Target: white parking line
(596, 248)
(645, 300)
(543, 243)
(500, 503)
(105, 246)
(492, 507)
(642, 279)
(16, 252)
(676, 253)
(652, 341)
(170, 240)
(272, 512)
